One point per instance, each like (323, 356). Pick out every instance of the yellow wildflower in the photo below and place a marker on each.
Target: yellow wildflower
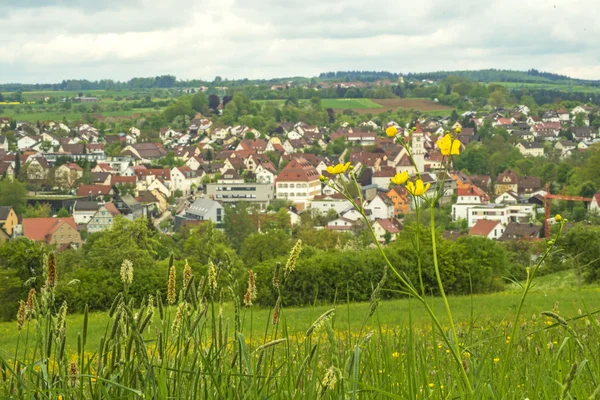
(496, 360)
(558, 217)
(338, 169)
(431, 386)
(448, 145)
(391, 131)
(458, 130)
(417, 188)
(395, 354)
(400, 178)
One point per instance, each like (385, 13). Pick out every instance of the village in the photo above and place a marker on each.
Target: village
(217, 166)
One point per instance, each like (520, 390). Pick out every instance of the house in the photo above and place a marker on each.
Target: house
(399, 197)
(156, 202)
(26, 142)
(595, 204)
(504, 213)
(528, 185)
(534, 149)
(145, 152)
(565, 147)
(98, 192)
(508, 197)
(298, 182)
(487, 228)
(467, 198)
(381, 207)
(202, 210)
(124, 183)
(67, 175)
(340, 224)
(103, 218)
(259, 194)
(516, 231)
(563, 115)
(390, 227)
(265, 173)
(84, 210)
(324, 203)
(507, 180)
(37, 168)
(8, 219)
(3, 142)
(129, 207)
(59, 231)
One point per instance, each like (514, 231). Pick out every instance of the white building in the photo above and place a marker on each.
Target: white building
(488, 228)
(324, 203)
(466, 199)
(381, 207)
(533, 149)
(299, 183)
(502, 212)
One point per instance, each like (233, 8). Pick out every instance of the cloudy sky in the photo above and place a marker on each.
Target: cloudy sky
(48, 41)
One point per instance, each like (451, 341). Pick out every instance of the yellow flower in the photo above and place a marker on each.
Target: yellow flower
(458, 130)
(448, 145)
(395, 354)
(417, 188)
(338, 169)
(400, 178)
(391, 131)
(558, 218)
(431, 386)
(496, 360)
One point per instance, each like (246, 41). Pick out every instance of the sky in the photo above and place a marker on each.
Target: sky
(48, 41)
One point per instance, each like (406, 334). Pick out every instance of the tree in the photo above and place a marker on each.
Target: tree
(17, 164)
(237, 224)
(63, 213)
(200, 102)
(213, 102)
(40, 210)
(259, 247)
(13, 194)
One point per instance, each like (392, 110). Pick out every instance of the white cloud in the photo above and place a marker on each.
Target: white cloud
(66, 39)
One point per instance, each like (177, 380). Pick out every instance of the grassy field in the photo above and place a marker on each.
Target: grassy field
(201, 349)
(71, 116)
(550, 86)
(376, 106)
(487, 308)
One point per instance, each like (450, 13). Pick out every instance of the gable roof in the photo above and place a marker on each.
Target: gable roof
(40, 228)
(483, 227)
(94, 190)
(82, 205)
(391, 225)
(515, 230)
(4, 211)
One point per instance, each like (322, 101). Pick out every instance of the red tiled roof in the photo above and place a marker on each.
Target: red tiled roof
(298, 170)
(123, 180)
(472, 190)
(94, 190)
(483, 227)
(39, 228)
(112, 209)
(389, 225)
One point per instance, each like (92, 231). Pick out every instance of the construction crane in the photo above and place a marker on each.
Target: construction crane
(558, 197)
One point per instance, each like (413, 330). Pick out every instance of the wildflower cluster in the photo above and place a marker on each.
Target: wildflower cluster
(127, 272)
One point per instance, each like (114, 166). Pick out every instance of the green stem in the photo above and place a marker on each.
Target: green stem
(526, 289)
(455, 348)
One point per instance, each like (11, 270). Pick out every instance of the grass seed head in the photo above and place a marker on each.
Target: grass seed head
(171, 294)
(127, 272)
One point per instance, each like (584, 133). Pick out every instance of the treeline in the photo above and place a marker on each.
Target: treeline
(332, 265)
(549, 96)
(499, 75)
(364, 76)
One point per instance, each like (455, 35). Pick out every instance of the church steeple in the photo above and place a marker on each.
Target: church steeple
(418, 148)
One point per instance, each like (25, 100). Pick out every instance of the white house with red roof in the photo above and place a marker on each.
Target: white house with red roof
(488, 228)
(387, 225)
(183, 178)
(467, 198)
(299, 183)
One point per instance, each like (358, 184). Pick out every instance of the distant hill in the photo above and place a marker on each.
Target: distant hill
(484, 75)
(503, 75)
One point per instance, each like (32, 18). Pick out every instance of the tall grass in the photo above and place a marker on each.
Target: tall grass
(183, 346)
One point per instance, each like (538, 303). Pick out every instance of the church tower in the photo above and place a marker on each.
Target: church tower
(418, 148)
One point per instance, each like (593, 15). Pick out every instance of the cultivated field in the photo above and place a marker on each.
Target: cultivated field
(549, 86)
